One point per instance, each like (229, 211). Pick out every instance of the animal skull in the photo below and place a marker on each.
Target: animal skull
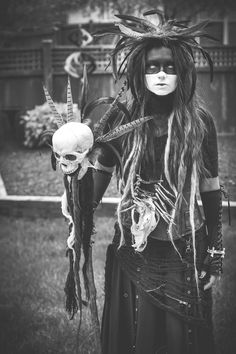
(71, 143)
(148, 220)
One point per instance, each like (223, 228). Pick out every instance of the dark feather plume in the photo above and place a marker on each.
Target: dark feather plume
(70, 289)
(53, 161)
(84, 91)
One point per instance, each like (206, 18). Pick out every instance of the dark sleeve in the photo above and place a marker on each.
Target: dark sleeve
(110, 153)
(209, 147)
(107, 155)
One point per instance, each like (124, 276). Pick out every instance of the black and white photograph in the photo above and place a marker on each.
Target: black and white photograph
(117, 177)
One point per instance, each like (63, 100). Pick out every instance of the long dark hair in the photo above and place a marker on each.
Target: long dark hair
(186, 129)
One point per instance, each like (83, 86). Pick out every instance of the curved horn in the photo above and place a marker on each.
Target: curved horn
(69, 102)
(57, 116)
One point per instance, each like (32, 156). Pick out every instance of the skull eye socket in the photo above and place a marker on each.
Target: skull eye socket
(70, 157)
(56, 155)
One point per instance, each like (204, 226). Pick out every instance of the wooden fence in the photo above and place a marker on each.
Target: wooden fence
(23, 71)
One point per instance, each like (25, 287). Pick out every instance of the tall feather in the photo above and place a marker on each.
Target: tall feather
(57, 116)
(69, 102)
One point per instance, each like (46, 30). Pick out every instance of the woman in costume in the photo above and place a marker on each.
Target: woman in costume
(164, 257)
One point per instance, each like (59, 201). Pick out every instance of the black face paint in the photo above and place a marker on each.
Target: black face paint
(155, 66)
(160, 59)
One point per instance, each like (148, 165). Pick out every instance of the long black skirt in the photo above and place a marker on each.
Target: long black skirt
(152, 301)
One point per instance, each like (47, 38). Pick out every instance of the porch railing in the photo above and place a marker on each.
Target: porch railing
(24, 61)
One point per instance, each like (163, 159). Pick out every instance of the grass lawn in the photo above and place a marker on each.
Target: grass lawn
(33, 271)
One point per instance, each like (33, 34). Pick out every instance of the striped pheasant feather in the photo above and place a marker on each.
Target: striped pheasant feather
(57, 116)
(123, 129)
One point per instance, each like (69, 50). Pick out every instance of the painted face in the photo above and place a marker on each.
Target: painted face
(160, 74)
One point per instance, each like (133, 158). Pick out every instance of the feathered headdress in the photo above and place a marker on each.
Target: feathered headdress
(138, 33)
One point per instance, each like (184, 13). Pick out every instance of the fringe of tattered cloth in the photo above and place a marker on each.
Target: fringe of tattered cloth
(168, 280)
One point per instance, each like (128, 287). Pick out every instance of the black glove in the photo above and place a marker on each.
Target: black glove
(212, 206)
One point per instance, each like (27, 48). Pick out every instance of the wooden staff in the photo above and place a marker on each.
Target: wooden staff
(82, 199)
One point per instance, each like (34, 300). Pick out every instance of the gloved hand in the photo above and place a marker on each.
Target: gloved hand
(212, 265)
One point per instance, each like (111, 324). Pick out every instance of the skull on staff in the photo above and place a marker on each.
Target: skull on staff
(72, 141)
(71, 144)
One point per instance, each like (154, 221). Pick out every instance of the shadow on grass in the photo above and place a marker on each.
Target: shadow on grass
(33, 272)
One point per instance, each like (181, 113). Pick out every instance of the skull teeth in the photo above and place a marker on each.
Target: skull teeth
(68, 172)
